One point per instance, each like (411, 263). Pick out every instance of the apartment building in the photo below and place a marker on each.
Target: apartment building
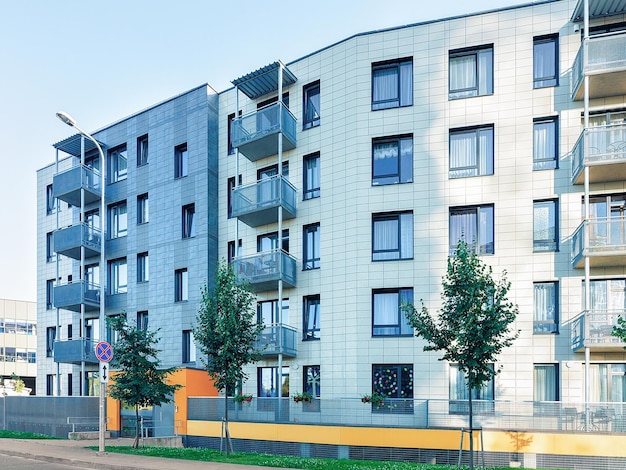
(339, 183)
(18, 344)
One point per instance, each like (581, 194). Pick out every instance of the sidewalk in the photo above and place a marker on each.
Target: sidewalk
(75, 453)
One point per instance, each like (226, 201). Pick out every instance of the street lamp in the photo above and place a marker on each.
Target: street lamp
(70, 121)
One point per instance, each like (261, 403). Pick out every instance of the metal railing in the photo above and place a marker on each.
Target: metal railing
(593, 328)
(605, 144)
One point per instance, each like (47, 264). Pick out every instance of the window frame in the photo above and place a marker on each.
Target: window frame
(50, 283)
(311, 247)
(404, 240)
(143, 320)
(143, 209)
(181, 285)
(401, 327)
(541, 394)
(477, 246)
(51, 334)
(118, 273)
(189, 348)
(116, 170)
(404, 162)
(143, 267)
(118, 220)
(50, 254)
(551, 79)
(404, 83)
(311, 326)
(546, 321)
(181, 161)
(230, 249)
(546, 244)
(142, 150)
(309, 382)
(480, 168)
(310, 105)
(394, 379)
(230, 186)
(188, 221)
(484, 397)
(311, 176)
(51, 201)
(486, 83)
(545, 154)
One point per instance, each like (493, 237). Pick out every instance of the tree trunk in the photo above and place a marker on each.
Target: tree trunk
(471, 432)
(136, 441)
(226, 422)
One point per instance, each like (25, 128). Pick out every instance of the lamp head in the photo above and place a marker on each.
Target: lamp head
(66, 118)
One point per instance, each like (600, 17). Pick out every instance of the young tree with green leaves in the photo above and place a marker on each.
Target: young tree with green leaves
(473, 325)
(227, 332)
(140, 381)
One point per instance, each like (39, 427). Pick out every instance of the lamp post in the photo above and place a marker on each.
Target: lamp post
(67, 119)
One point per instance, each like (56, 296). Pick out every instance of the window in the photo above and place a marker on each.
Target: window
(70, 390)
(311, 105)
(269, 241)
(311, 380)
(545, 382)
(392, 236)
(50, 247)
(607, 383)
(51, 334)
(118, 164)
(388, 318)
(311, 245)
(471, 152)
(118, 276)
(92, 274)
(474, 224)
(608, 300)
(189, 221)
(267, 312)
(311, 180)
(118, 220)
(142, 320)
(545, 143)
(311, 317)
(143, 267)
(459, 392)
(51, 201)
(231, 186)
(395, 383)
(231, 250)
(545, 61)
(392, 84)
(545, 226)
(92, 219)
(49, 294)
(70, 331)
(267, 378)
(546, 308)
(142, 150)
(181, 285)
(143, 209)
(392, 160)
(49, 384)
(181, 161)
(471, 72)
(189, 347)
(230, 118)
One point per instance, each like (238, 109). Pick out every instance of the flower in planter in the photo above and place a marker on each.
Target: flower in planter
(305, 396)
(375, 399)
(243, 398)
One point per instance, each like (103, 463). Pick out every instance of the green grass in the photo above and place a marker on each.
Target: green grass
(244, 458)
(23, 435)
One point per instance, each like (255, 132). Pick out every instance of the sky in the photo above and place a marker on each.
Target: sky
(102, 60)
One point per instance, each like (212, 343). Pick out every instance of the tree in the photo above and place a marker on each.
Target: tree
(227, 332)
(472, 327)
(140, 381)
(619, 330)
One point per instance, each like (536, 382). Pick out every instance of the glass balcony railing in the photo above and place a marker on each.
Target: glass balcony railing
(67, 185)
(606, 245)
(75, 351)
(276, 339)
(257, 204)
(592, 329)
(606, 55)
(71, 296)
(264, 270)
(606, 154)
(69, 240)
(255, 134)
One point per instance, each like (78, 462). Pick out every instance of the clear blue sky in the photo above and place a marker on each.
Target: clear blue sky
(104, 60)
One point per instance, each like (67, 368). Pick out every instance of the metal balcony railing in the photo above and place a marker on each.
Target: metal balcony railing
(67, 185)
(75, 351)
(69, 240)
(606, 154)
(257, 204)
(264, 270)
(71, 296)
(276, 339)
(592, 329)
(606, 245)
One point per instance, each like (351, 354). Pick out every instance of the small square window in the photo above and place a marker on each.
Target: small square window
(392, 160)
(392, 84)
(546, 382)
(545, 226)
(475, 225)
(545, 143)
(471, 152)
(388, 318)
(311, 105)
(471, 72)
(392, 236)
(546, 61)
(395, 382)
(546, 308)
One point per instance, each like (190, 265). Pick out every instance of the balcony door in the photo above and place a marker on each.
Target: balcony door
(607, 217)
(268, 189)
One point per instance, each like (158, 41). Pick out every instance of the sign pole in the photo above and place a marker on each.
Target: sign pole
(104, 353)
(103, 424)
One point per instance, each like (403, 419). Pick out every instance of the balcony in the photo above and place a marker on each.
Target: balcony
(67, 185)
(68, 241)
(264, 270)
(255, 134)
(592, 329)
(276, 339)
(606, 154)
(257, 204)
(607, 243)
(75, 351)
(606, 67)
(72, 296)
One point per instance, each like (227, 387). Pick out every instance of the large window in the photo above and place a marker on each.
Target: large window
(395, 382)
(269, 241)
(189, 347)
(392, 236)
(471, 72)
(269, 383)
(118, 220)
(545, 226)
(189, 221)
(181, 161)
(311, 176)
(311, 246)
(459, 393)
(392, 160)
(143, 209)
(546, 308)
(474, 224)
(388, 318)
(471, 152)
(311, 380)
(311, 105)
(608, 297)
(545, 61)
(311, 317)
(181, 285)
(142, 150)
(118, 276)
(546, 382)
(545, 143)
(267, 312)
(607, 383)
(143, 266)
(392, 84)
(118, 164)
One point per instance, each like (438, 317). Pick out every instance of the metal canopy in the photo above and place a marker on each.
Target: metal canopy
(598, 9)
(71, 145)
(264, 80)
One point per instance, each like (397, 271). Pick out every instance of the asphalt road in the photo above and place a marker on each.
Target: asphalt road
(17, 463)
